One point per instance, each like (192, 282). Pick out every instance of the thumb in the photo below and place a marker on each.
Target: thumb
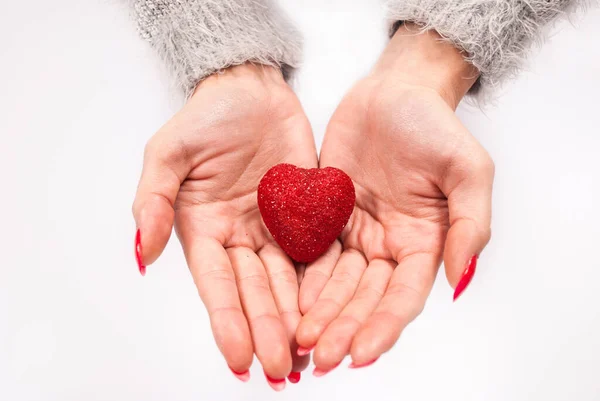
(153, 209)
(470, 210)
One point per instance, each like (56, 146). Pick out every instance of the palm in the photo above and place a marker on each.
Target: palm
(388, 138)
(217, 206)
(208, 161)
(218, 197)
(399, 209)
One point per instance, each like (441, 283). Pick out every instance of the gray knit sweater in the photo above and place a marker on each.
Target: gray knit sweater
(199, 37)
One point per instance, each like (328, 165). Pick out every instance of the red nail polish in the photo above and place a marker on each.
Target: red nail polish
(318, 372)
(294, 377)
(276, 384)
(304, 351)
(138, 252)
(364, 365)
(244, 376)
(466, 277)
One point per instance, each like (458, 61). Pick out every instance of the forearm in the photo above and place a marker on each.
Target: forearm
(197, 38)
(495, 36)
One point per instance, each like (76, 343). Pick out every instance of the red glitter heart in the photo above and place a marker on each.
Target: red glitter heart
(305, 210)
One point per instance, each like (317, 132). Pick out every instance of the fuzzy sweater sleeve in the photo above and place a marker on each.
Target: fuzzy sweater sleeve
(197, 38)
(495, 35)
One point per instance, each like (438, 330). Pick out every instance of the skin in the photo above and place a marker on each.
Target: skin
(201, 171)
(423, 186)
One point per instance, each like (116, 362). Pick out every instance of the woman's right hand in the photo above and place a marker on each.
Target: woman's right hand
(201, 172)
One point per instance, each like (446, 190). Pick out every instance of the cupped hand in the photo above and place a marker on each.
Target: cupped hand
(201, 172)
(423, 193)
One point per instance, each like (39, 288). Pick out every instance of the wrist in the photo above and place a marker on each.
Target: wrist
(247, 74)
(423, 58)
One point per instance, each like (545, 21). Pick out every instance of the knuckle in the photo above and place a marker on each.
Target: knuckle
(471, 165)
(488, 165)
(258, 281)
(344, 278)
(397, 318)
(349, 323)
(410, 297)
(403, 290)
(486, 235)
(224, 314)
(329, 302)
(316, 274)
(481, 230)
(368, 293)
(217, 275)
(483, 164)
(152, 147)
(166, 152)
(134, 208)
(285, 277)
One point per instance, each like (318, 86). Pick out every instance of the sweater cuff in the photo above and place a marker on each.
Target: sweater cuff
(197, 38)
(494, 35)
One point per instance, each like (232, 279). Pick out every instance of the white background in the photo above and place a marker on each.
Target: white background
(80, 94)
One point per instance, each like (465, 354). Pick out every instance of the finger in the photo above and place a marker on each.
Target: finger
(470, 210)
(164, 170)
(337, 293)
(316, 275)
(268, 334)
(404, 300)
(214, 278)
(283, 281)
(335, 342)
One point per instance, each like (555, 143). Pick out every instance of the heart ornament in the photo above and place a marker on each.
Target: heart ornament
(305, 210)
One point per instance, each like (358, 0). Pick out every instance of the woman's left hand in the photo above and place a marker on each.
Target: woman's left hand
(423, 193)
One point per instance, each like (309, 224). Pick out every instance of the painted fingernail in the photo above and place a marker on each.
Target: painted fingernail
(363, 365)
(244, 376)
(294, 377)
(304, 351)
(466, 277)
(138, 252)
(276, 384)
(318, 372)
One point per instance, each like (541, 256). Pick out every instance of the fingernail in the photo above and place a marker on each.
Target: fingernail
(138, 252)
(318, 372)
(467, 276)
(364, 365)
(294, 377)
(244, 376)
(276, 384)
(304, 351)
